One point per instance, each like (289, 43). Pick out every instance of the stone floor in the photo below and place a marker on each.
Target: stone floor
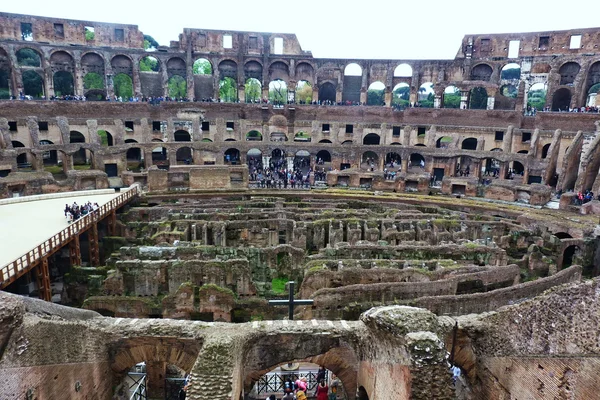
(25, 225)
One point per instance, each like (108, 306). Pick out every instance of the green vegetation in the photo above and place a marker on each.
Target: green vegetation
(376, 97)
(150, 43)
(123, 86)
(401, 96)
(278, 285)
(252, 90)
(202, 67)
(89, 34)
(304, 92)
(149, 64)
(103, 137)
(227, 90)
(92, 80)
(177, 86)
(278, 91)
(478, 99)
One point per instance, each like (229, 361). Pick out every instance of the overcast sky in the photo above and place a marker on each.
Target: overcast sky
(397, 29)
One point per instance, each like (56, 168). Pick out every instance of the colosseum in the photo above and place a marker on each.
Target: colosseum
(431, 225)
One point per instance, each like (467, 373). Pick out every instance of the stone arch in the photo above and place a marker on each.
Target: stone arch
(184, 155)
(469, 144)
(327, 92)
(511, 71)
(393, 160)
(481, 72)
(106, 138)
(451, 97)
(254, 135)
(150, 64)
(563, 235)
(21, 157)
(444, 142)
(122, 64)
(324, 155)
(352, 83)
(123, 85)
(361, 394)
(369, 160)
(347, 142)
(478, 98)
(126, 353)
(335, 354)
(27, 57)
(64, 84)
(176, 66)
(277, 154)
(545, 150)
(160, 156)
(49, 157)
(254, 160)
(80, 157)
(304, 92)
(568, 72)
(376, 94)
(561, 100)
(202, 66)
(372, 139)
(568, 255)
(182, 136)
(228, 69)
(426, 95)
(325, 141)
(231, 156)
(401, 95)
(278, 70)
(33, 84)
(517, 167)
(416, 159)
(403, 70)
(177, 87)
(92, 70)
(523, 152)
(253, 90)
(305, 72)
(253, 69)
(134, 154)
(228, 90)
(536, 95)
(62, 61)
(278, 92)
(592, 96)
(509, 90)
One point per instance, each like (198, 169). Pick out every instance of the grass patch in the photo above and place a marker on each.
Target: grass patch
(278, 285)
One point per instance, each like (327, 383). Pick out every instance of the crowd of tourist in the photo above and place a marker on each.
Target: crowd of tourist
(298, 390)
(75, 211)
(584, 197)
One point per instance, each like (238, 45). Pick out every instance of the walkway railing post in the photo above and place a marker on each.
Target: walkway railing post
(75, 251)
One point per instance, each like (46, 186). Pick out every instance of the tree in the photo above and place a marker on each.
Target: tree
(89, 33)
(63, 83)
(278, 91)
(33, 84)
(123, 86)
(252, 90)
(478, 100)
(177, 86)
(28, 58)
(92, 80)
(4, 88)
(375, 97)
(304, 92)
(149, 43)
(537, 99)
(227, 89)
(510, 73)
(149, 64)
(202, 67)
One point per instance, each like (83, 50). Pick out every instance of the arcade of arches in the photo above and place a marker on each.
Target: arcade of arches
(409, 271)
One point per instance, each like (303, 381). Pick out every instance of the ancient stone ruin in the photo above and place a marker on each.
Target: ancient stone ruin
(433, 223)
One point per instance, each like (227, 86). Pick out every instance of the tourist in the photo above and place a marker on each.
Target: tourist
(321, 375)
(288, 385)
(300, 384)
(322, 390)
(183, 392)
(333, 386)
(300, 395)
(288, 396)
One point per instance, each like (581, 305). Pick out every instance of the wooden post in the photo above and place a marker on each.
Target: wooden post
(43, 280)
(75, 251)
(93, 243)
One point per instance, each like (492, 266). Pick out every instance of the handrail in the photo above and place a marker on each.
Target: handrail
(140, 391)
(11, 271)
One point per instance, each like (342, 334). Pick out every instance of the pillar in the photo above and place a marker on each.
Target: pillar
(490, 103)
(112, 223)
(388, 98)
(93, 244)
(135, 77)
(67, 164)
(78, 77)
(43, 280)
(156, 372)
(464, 99)
(75, 251)
(437, 101)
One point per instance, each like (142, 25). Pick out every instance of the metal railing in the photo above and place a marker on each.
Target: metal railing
(273, 382)
(138, 386)
(23, 264)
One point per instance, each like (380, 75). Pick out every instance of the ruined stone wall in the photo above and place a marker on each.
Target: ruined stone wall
(482, 302)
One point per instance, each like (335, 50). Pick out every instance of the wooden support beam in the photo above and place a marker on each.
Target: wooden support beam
(112, 223)
(94, 246)
(43, 280)
(75, 251)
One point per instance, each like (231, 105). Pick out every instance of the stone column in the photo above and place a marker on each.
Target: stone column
(110, 87)
(464, 99)
(135, 77)
(156, 372)
(388, 97)
(164, 75)
(78, 76)
(437, 101)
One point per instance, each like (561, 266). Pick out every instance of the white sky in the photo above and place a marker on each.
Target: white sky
(396, 29)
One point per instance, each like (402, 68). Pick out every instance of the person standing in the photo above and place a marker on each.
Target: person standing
(322, 390)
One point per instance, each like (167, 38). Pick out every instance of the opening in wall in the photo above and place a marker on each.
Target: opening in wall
(349, 128)
(156, 125)
(278, 46)
(119, 35)
(205, 126)
(499, 136)
(544, 42)
(227, 42)
(575, 42)
(513, 48)
(26, 31)
(89, 33)
(43, 125)
(59, 31)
